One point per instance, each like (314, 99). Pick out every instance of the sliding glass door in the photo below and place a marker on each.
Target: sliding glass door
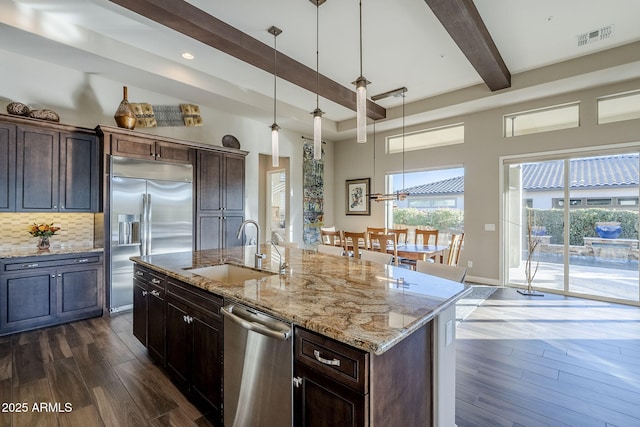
(571, 225)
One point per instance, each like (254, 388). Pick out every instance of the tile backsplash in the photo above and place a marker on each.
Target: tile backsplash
(76, 229)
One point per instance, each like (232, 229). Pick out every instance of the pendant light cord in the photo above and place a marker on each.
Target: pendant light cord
(374, 157)
(361, 38)
(403, 187)
(317, 54)
(275, 72)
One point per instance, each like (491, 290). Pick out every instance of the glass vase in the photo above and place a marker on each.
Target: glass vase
(43, 243)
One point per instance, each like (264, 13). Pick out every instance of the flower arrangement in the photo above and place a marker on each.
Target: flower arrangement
(43, 230)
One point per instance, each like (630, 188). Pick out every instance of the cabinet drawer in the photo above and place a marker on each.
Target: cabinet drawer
(342, 363)
(47, 262)
(203, 300)
(148, 276)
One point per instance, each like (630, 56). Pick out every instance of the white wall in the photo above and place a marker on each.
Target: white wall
(480, 156)
(87, 100)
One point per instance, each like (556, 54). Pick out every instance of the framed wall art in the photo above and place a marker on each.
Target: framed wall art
(357, 197)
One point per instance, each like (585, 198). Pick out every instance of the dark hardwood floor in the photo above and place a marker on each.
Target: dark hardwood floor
(548, 361)
(87, 373)
(521, 361)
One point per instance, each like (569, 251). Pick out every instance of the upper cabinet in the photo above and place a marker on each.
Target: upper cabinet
(218, 176)
(56, 171)
(47, 167)
(219, 199)
(149, 148)
(7, 167)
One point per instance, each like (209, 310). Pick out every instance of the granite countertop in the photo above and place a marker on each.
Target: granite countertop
(366, 305)
(53, 250)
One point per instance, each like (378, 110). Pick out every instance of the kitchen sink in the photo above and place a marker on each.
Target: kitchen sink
(229, 273)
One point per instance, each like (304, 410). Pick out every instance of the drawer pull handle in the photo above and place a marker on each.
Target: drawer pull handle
(334, 362)
(82, 260)
(155, 293)
(30, 265)
(155, 281)
(139, 273)
(144, 293)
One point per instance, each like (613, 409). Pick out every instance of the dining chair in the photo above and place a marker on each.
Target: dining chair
(331, 250)
(375, 256)
(380, 243)
(402, 234)
(378, 230)
(453, 254)
(353, 239)
(451, 272)
(425, 235)
(331, 237)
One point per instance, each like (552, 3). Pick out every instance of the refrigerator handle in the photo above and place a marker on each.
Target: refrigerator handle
(149, 212)
(144, 227)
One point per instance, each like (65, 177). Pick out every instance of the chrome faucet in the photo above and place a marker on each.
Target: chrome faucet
(282, 267)
(259, 256)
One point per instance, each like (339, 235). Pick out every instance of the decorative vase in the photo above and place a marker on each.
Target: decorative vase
(608, 230)
(125, 118)
(43, 243)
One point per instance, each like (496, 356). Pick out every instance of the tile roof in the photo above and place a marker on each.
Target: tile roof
(587, 172)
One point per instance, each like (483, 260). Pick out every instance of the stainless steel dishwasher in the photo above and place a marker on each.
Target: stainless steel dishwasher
(258, 369)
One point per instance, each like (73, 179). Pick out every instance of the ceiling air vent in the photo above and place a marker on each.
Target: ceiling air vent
(595, 35)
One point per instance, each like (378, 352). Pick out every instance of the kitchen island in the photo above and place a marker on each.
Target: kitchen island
(400, 322)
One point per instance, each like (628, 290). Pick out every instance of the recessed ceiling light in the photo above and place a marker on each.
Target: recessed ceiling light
(187, 55)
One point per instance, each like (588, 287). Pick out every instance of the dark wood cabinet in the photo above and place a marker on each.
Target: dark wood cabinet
(79, 173)
(7, 167)
(148, 148)
(140, 310)
(219, 199)
(331, 382)
(186, 323)
(49, 289)
(56, 171)
(149, 311)
(194, 343)
(336, 384)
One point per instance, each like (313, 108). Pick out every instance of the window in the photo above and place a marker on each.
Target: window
(430, 138)
(598, 202)
(616, 108)
(627, 201)
(543, 120)
(436, 200)
(590, 202)
(435, 203)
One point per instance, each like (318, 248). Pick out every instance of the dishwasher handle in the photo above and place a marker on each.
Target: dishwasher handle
(248, 320)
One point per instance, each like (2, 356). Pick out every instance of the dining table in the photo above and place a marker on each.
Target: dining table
(419, 252)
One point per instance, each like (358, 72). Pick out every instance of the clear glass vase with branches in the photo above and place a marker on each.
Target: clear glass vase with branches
(531, 265)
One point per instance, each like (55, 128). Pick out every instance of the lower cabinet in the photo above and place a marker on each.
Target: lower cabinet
(331, 385)
(194, 343)
(49, 289)
(185, 322)
(338, 385)
(149, 311)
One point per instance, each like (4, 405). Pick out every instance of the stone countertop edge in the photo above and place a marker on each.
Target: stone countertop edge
(27, 252)
(354, 302)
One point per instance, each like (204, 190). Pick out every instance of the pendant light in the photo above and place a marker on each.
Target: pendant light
(317, 113)
(361, 96)
(378, 197)
(275, 145)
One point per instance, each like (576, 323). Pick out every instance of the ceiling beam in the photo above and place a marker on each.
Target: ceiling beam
(465, 26)
(199, 25)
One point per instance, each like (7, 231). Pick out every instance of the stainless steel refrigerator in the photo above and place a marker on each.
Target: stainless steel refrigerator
(151, 212)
